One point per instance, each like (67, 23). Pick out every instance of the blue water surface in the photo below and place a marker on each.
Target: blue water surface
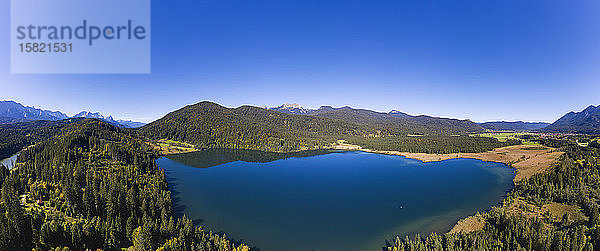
(333, 201)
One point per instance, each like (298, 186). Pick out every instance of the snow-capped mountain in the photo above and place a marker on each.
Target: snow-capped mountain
(297, 109)
(13, 112)
(108, 119)
(94, 115)
(291, 109)
(19, 112)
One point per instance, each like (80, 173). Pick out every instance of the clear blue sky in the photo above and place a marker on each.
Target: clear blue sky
(482, 60)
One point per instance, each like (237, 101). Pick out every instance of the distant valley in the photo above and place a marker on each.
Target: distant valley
(518, 126)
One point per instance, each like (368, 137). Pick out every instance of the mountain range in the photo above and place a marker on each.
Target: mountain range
(291, 109)
(586, 122)
(210, 125)
(297, 109)
(518, 126)
(109, 119)
(394, 118)
(13, 112)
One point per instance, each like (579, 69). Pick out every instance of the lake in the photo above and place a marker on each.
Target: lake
(328, 200)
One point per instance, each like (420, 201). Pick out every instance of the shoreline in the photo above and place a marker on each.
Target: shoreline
(527, 160)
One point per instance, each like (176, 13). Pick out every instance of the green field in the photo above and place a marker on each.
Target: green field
(504, 136)
(173, 146)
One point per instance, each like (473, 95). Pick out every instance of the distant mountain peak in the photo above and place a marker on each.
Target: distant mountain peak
(14, 110)
(93, 115)
(130, 124)
(291, 109)
(591, 109)
(586, 121)
(397, 113)
(109, 119)
(294, 106)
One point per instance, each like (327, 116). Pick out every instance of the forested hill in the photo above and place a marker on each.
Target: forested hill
(13, 137)
(94, 186)
(209, 125)
(14, 110)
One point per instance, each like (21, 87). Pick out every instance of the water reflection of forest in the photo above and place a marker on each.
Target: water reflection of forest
(215, 157)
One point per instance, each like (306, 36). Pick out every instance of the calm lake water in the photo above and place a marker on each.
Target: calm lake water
(329, 201)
